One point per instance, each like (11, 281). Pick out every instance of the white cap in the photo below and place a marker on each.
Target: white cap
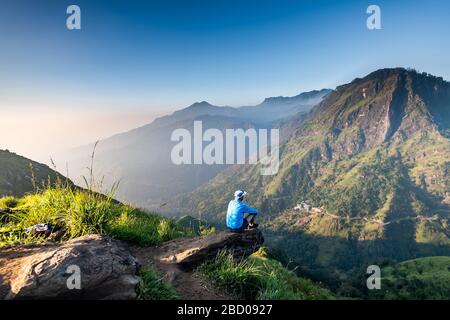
(239, 193)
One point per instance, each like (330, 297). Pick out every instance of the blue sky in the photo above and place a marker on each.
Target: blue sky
(168, 54)
(156, 56)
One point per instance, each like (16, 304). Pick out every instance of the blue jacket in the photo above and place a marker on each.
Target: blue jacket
(235, 213)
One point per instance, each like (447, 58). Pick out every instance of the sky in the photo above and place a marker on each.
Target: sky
(135, 60)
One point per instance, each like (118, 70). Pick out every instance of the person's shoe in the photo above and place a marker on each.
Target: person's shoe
(253, 225)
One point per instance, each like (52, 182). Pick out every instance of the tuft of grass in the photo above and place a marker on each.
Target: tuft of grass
(242, 278)
(153, 287)
(205, 231)
(143, 228)
(77, 212)
(8, 202)
(258, 277)
(11, 236)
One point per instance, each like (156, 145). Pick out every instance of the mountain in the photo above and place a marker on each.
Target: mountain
(141, 159)
(279, 108)
(19, 175)
(372, 160)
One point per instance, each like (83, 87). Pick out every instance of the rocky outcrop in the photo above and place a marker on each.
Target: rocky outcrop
(175, 261)
(189, 253)
(107, 270)
(106, 267)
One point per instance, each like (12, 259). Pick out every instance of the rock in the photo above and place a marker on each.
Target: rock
(191, 252)
(107, 270)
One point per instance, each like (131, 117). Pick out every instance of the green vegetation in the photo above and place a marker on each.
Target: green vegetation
(423, 278)
(152, 287)
(198, 227)
(259, 277)
(19, 175)
(363, 189)
(76, 212)
(144, 228)
(8, 202)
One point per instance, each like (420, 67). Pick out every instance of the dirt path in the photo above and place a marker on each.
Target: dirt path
(190, 285)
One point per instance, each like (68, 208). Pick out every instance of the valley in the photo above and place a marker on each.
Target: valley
(141, 159)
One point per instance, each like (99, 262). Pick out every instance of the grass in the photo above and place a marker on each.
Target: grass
(423, 278)
(19, 175)
(145, 229)
(8, 202)
(260, 278)
(78, 212)
(152, 287)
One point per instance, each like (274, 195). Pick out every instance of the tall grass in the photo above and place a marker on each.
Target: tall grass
(258, 277)
(8, 202)
(144, 228)
(243, 279)
(153, 287)
(76, 212)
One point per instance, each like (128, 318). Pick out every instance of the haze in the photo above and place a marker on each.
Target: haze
(40, 135)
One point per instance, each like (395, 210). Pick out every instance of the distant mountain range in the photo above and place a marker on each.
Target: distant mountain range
(373, 162)
(140, 159)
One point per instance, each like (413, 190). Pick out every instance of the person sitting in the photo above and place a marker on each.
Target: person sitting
(240, 216)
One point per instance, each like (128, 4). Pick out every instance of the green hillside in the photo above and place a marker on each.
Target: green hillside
(19, 175)
(418, 279)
